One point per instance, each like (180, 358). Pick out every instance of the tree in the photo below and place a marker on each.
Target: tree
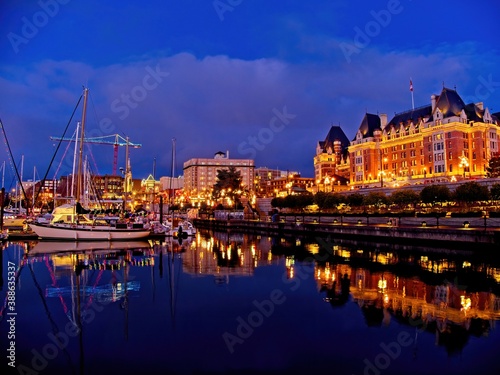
(435, 193)
(355, 199)
(471, 192)
(320, 198)
(228, 184)
(294, 202)
(299, 201)
(278, 202)
(326, 201)
(376, 199)
(335, 199)
(495, 192)
(403, 198)
(493, 168)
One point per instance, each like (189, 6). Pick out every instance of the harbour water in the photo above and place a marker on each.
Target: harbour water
(233, 303)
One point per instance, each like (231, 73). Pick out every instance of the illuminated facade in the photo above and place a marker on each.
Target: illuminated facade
(200, 175)
(273, 183)
(289, 185)
(225, 255)
(445, 141)
(109, 186)
(444, 303)
(263, 178)
(331, 163)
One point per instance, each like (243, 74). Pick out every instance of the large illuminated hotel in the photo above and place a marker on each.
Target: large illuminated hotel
(444, 141)
(200, 174)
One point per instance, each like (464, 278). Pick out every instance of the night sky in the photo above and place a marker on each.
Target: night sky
(260, 79)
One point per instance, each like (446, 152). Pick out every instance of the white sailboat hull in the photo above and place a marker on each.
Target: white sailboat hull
(86, 232)
(55, 247)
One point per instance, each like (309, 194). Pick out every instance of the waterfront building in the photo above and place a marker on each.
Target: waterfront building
(46, 193)
(331, 163)
(171, 184)
(291, 184)
(445, 141)
(109, 187)
(200, 174)
(263, 180)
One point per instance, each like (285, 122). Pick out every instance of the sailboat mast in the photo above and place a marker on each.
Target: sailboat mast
(80, 151)
(172, 173)
(85, 182)
(33, 188)
(21, 182)
(74, 161)
(3, 174)
(127, 181)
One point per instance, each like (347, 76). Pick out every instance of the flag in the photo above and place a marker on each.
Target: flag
(411, 86)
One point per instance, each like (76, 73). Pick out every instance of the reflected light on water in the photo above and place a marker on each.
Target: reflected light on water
(181, 298)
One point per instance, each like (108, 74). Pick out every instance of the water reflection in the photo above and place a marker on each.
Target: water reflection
(185, 294)
(452, 297)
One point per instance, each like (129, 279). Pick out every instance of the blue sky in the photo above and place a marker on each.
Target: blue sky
(260, 79)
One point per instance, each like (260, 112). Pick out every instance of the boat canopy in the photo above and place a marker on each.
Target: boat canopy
(67, 213)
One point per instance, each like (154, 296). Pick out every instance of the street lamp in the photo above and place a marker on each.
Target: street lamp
(464, 162)
(326, 182)
(382, 162)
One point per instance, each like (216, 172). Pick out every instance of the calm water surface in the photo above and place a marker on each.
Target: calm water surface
(238, 303)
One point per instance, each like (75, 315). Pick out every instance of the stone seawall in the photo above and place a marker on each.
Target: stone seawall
(463, 236)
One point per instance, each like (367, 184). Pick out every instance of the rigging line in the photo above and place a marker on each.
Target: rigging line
(57, 149)
(92, 293)
(15, 167)
(89, 148)
(97, 193)
(172, 175)
(63, 157)
(170, 261)
(54, 284)
(49, 315)
(178, 282)
(11, 162)
(93, 187)
(173, 275)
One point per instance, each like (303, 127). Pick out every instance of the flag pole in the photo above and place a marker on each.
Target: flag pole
(411, 90)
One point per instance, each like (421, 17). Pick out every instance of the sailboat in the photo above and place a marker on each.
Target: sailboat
(177, 227)
(72, 222)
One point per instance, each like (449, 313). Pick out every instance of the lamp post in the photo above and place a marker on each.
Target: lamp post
(464, 162)
(382, 162)
(326, 181)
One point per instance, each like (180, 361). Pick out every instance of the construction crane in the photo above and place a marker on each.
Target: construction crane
(104, 140)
